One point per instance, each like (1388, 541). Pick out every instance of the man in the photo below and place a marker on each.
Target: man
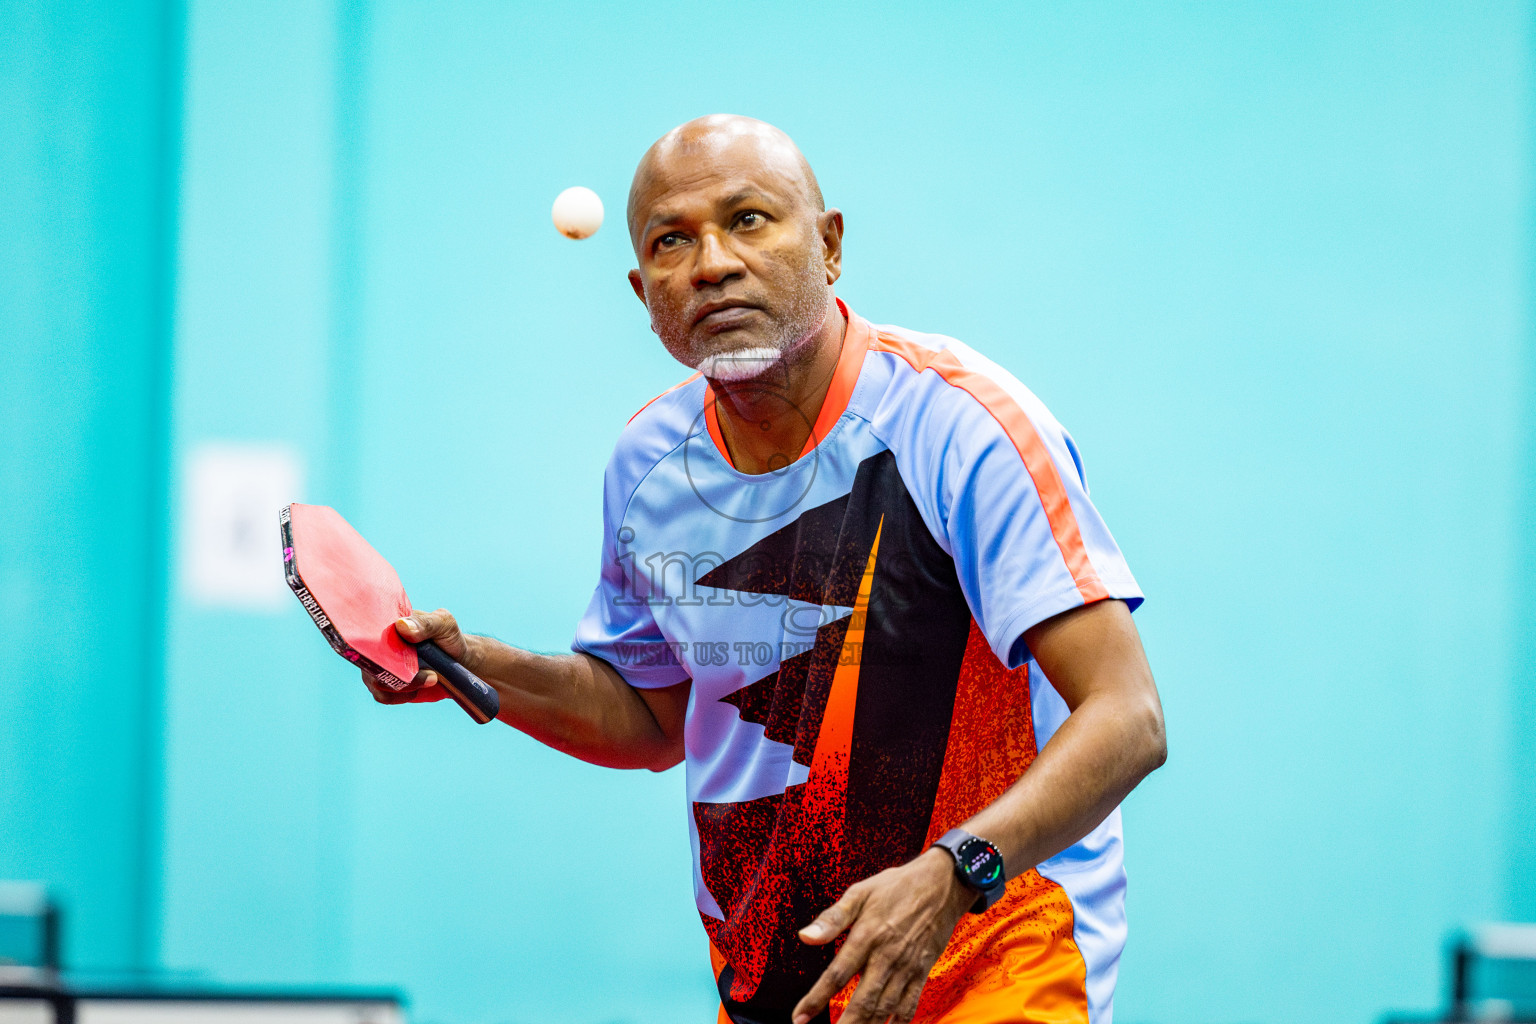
(852, 576)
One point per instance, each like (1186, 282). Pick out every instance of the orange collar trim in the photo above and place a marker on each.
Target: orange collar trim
(850, 361)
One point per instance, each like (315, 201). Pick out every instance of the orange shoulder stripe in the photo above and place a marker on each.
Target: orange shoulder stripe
(1037, 460)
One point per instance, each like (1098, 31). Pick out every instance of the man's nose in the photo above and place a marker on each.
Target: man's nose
(714, 260)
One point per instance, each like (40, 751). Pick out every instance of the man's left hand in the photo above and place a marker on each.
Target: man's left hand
(898, 922)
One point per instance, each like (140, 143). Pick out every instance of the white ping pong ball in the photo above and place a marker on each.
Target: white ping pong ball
(577, 212)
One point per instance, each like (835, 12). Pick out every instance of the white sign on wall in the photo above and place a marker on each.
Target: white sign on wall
(231, 557)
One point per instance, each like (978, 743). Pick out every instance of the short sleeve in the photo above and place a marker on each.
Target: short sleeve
(1027, 542)
(1002, 486)
(618, 626)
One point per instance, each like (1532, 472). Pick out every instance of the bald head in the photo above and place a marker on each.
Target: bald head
(690, 149)
(737, 254)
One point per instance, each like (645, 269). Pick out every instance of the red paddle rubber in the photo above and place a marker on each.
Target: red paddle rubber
(354, 596)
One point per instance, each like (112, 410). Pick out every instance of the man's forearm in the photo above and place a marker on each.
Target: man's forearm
(1111, 740)
(575, 703)
(1103, 749)
(898, 921)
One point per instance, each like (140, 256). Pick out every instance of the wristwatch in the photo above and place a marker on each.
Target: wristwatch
(978, 865)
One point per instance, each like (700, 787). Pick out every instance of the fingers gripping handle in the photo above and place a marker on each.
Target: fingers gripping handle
(462, 685)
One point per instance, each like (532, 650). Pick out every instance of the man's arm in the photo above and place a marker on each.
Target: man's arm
(573, 702)
(899, 921)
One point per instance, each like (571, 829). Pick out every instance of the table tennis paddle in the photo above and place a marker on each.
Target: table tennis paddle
(355, 596)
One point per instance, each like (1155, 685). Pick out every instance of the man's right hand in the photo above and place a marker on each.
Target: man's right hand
(439, 627)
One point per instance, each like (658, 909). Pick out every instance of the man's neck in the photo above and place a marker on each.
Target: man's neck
(767, 420)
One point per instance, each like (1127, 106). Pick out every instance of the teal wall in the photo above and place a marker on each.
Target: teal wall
(257, 720)
(1271, 263)
(87, 178)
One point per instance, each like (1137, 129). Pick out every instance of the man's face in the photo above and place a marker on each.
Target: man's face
(734, 267)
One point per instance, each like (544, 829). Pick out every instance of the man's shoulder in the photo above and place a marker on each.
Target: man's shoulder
(666, 406)
(656, 429)
(940, 375)
(951, 359)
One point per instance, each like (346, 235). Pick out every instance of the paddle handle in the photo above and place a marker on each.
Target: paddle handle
(473, 695)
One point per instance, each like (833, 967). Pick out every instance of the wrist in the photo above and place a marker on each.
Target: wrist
(958, 897)
(472, 653)
(977, 866)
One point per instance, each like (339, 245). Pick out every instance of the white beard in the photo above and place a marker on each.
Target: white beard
(742, 364)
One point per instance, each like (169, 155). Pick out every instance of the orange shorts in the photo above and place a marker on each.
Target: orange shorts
(1016, 964)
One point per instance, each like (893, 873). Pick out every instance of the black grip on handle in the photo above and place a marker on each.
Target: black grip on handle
(473, 695)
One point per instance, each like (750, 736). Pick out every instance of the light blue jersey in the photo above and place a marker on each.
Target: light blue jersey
(853, 628)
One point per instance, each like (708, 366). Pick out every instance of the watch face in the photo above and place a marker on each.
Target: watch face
(980, 862)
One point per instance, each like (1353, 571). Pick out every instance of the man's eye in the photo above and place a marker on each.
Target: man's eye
(751, 219)
(670, 240)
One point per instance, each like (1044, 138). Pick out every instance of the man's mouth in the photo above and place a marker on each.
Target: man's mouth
(723, 312)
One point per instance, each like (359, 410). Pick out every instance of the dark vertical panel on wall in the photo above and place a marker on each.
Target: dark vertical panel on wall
(337, 470)
(1523, 768)
(347, 241)
(169, 56)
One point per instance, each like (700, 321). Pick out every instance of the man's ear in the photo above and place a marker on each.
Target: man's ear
(638, 285)
(830, 224)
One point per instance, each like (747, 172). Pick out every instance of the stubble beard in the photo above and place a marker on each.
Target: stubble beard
(740, 364)
(805, 315)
